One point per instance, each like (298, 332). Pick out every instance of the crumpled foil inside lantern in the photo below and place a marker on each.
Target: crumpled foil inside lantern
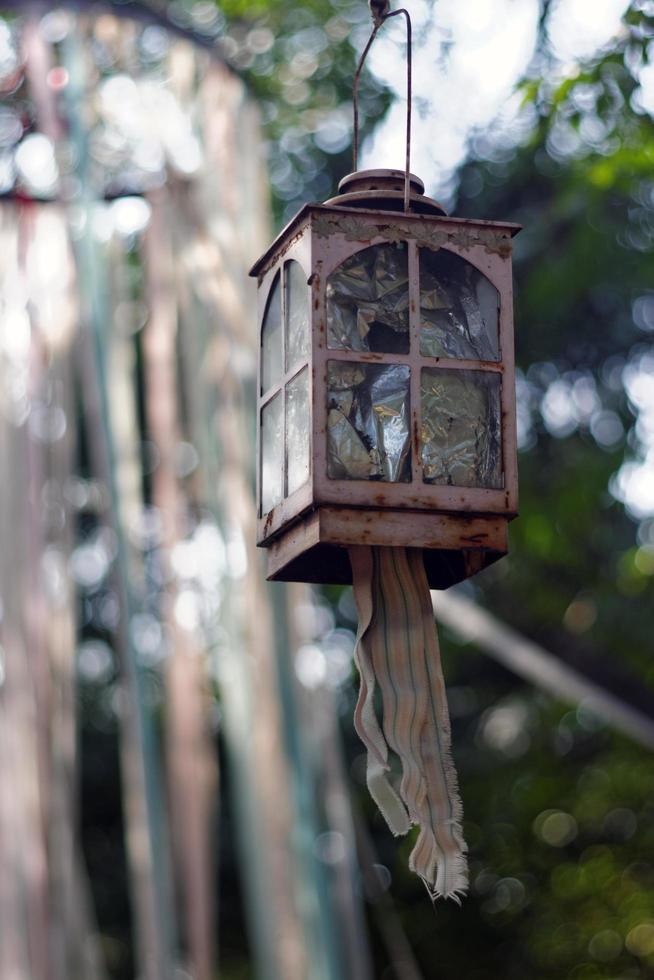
(368, 422)
(458, 309)
(461, 428)
(368, 302)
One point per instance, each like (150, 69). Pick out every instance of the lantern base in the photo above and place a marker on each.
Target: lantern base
(315, 548)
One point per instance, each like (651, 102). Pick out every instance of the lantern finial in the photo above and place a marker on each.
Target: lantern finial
(384, 189)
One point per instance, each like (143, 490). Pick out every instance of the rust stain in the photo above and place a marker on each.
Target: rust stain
(353, 228)
(416, 438)
(281, 251)
(433, 233)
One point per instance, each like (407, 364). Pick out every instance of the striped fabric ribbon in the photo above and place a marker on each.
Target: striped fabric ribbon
(397, 653)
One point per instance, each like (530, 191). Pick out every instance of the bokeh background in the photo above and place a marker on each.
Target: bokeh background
(182, 794)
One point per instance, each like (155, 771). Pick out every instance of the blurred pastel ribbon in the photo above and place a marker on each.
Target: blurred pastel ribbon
(397, 652)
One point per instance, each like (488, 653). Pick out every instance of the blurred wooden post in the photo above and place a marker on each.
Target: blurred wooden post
(46, 923)
(217, 224)
(144, 818)
(192, 766)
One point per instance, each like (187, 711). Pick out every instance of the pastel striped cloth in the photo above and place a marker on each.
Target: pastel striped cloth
(397, 653)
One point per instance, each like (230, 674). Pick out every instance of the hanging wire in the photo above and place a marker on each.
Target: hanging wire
(379, 19)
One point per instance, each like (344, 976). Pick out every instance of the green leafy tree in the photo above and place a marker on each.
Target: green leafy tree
(299, 61)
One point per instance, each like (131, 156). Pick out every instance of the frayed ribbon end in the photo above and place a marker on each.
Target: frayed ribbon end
(397, 653)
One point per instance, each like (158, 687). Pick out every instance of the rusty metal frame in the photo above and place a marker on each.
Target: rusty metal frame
(302, 498)
(321, 239)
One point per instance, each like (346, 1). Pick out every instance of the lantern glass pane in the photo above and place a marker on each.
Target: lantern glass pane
(298, 430)
(459, 309)
(271, 339)
(272, 454)
(368, 301)
(461, 433)
(297, 314)
(368, 422)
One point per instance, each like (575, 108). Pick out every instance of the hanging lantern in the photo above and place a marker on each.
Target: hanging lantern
(387, 452)
(386, 392)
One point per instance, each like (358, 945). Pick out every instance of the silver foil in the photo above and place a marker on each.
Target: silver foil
(368, 302)
(461, 428)
(368, 422)
(458, 309)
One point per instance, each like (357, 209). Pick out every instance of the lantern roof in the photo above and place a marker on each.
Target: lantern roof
(377, 192)
(385, 189)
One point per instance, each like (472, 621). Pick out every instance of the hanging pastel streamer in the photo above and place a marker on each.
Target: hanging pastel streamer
(397, 651)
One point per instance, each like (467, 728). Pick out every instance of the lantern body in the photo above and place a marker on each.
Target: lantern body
(386, 400)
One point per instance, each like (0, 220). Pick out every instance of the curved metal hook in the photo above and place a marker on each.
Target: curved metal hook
(355, 97)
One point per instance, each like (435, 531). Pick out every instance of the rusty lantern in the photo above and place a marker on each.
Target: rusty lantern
(386, 384)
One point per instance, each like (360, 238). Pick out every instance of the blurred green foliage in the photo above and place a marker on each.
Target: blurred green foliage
(299, 62)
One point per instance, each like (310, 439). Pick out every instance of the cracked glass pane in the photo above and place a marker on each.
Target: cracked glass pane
(459, 309)
(297, 431)
(271, 339)
(272, 454)
(368, 301)
(297, 314)
(368, 422)
(460, 431)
